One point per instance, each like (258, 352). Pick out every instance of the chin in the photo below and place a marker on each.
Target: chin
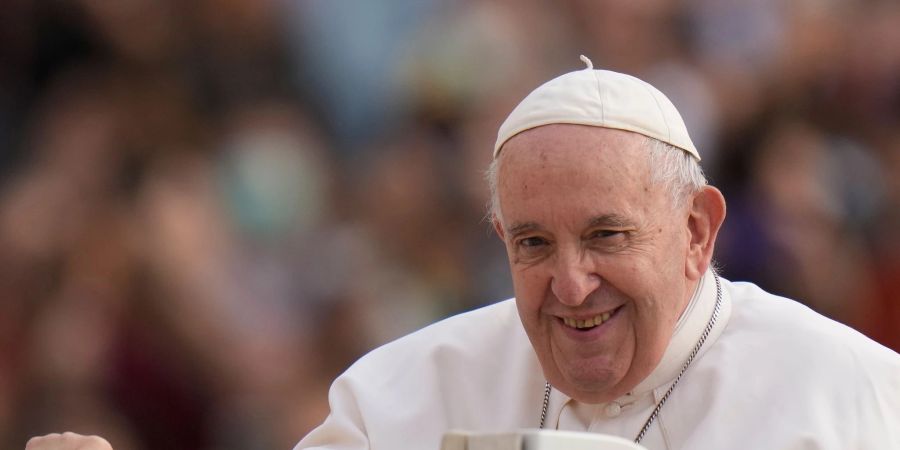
(586, 395)
(592, 385)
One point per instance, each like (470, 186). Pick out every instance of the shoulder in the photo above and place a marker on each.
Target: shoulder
(454, 373)
(777, 360)
(783, 328)
(467, 338)
(475, 370)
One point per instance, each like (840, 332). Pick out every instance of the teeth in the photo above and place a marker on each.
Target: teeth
(589, 323)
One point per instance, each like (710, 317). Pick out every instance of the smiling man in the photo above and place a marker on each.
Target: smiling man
(604, 257)
(619, 323)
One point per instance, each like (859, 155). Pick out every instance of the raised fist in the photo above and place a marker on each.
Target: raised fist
(67, 441)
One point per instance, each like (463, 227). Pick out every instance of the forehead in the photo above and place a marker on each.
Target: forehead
(575, 154)
(586, 169)
(565, 141)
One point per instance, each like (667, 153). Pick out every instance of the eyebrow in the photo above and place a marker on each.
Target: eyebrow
(607, 220)
(610, 220)
(521, 227)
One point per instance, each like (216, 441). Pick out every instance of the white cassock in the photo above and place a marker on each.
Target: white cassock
(772, 375)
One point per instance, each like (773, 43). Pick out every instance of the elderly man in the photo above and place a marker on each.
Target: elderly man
(620, 325)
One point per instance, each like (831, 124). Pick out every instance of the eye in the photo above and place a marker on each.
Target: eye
(606, 234)
(608, 239)
(531, 249)
(532, 242)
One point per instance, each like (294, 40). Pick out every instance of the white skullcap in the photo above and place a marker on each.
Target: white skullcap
(599, 98)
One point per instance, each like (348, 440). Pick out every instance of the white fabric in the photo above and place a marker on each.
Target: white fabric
(777, 376)
(533, 439)
(600, 98)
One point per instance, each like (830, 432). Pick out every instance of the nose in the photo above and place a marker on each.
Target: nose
(573, 279)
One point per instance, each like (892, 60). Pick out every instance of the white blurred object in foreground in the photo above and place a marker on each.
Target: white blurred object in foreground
(535, 440)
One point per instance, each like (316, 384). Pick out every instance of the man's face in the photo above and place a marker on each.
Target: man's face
(597, 254)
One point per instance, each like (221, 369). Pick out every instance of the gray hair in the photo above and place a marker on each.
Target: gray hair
(669, 165)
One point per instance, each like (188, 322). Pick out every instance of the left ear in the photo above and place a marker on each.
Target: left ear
(707, 212)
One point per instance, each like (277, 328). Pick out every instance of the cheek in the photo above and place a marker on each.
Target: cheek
(530, 288)
(648, 344)
(644, 323)
(673, 248)
(654, 321)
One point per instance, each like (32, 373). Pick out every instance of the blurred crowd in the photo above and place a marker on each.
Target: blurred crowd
(209, 208)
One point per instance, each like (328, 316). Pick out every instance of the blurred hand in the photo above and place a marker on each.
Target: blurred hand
(67, 441)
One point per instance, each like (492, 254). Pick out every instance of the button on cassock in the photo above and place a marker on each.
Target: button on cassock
(613, 409)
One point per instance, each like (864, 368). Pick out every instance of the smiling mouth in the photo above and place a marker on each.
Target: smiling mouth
(589, 323)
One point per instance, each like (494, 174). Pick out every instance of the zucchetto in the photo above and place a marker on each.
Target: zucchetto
(599, 98)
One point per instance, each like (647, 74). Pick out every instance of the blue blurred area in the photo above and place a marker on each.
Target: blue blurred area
(208, 209)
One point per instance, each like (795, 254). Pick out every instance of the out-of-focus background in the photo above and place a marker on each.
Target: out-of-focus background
(210, 208)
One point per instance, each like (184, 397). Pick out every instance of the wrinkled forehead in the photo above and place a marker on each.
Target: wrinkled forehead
(578, 167)
(576, 146)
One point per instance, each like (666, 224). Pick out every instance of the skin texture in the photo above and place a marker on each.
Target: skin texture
(586, 232)
(67, 441)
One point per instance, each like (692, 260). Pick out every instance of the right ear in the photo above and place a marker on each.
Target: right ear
(498, 227)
